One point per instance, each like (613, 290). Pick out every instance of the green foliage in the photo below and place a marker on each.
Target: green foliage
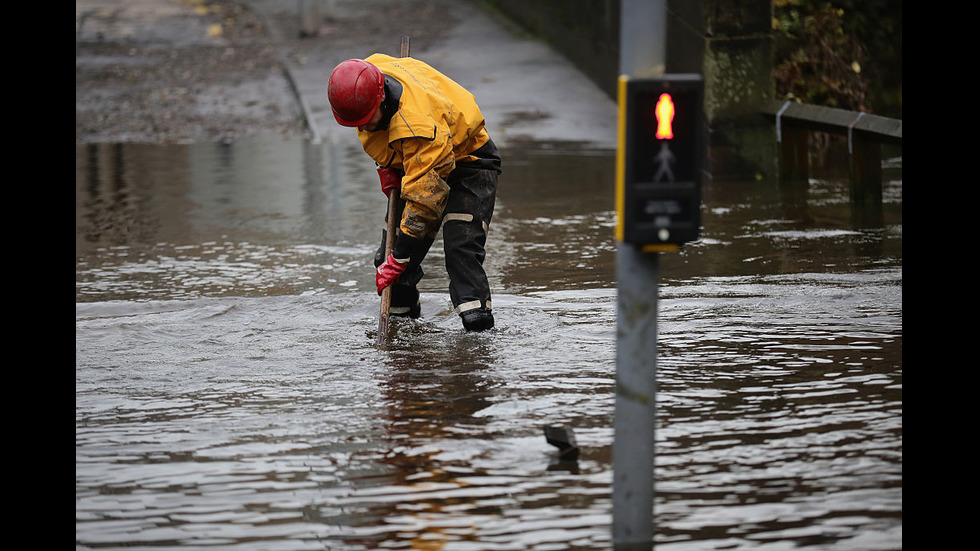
(816, 60)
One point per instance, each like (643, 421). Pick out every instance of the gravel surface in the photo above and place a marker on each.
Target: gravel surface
(179, 71)
(161, 71)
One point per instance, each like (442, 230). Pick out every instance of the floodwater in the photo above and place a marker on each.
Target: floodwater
(229, 393)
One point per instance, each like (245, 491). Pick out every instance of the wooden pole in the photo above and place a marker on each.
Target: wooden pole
(391, 224)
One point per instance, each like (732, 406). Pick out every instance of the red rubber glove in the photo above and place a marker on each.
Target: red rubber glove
(388, 272)
(389, 180)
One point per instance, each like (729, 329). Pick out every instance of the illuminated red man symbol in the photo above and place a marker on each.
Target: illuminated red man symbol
(665, 117)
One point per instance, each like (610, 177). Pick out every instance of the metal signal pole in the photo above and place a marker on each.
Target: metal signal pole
(642, 54)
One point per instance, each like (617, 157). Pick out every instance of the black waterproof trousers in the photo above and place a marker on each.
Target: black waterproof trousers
(465, 222)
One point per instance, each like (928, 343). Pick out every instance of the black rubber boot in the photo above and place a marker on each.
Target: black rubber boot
(405, 301)
(477, 319)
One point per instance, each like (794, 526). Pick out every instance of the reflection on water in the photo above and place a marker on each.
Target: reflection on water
(229, 393)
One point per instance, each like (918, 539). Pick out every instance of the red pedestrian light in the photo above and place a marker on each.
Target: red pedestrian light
(665, 117)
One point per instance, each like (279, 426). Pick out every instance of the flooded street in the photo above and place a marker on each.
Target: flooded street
(229, 394)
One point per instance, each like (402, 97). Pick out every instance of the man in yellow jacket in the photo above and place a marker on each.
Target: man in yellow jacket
(426, 133)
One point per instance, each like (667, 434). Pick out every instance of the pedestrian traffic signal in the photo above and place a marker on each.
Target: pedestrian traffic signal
(659, 161)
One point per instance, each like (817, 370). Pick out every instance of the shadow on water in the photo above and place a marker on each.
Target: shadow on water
(229, 393)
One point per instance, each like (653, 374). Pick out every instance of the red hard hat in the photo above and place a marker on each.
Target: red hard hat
(355, 90)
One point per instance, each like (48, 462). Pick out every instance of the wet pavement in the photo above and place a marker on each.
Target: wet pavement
(527, 92)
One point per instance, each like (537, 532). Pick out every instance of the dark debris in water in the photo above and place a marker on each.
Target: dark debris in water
(564, 439)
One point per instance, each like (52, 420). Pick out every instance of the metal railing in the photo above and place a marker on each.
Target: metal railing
(865, 135)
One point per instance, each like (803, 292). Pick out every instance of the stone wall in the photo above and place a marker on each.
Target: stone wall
(730, 43)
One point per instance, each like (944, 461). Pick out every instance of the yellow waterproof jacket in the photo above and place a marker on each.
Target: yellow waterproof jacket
(438, 124)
